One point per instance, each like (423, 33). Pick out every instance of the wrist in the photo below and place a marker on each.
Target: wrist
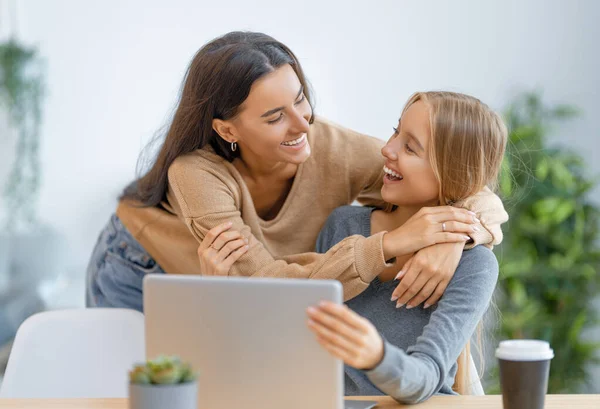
(378, 358)
(389, 250)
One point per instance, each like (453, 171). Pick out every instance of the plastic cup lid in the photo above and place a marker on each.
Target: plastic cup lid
(524, 350)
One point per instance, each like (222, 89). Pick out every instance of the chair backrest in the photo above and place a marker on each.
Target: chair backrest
(475, 386)
(82, 353)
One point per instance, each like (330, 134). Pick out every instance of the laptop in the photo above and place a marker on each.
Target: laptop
(248, 338)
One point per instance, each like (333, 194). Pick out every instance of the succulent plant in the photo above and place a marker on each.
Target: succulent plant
(164, 370)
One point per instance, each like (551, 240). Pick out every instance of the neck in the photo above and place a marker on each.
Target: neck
(399, 216)
(257, 168)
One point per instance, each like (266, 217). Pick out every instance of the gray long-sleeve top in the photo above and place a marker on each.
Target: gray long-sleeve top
(421, 345)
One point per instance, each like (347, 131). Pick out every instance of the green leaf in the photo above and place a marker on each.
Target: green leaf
(561, 176)
(542, 169)
(563, 211)
(575, 330)
(564, 111)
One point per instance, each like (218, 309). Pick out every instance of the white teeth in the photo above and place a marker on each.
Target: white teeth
(294, 142)
(391, 172)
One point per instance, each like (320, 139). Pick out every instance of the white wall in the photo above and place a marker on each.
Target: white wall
(114, 68)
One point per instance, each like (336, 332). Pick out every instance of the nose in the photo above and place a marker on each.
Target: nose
(300, 119)
(389, 151)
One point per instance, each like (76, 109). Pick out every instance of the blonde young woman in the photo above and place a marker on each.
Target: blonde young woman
(447, 147)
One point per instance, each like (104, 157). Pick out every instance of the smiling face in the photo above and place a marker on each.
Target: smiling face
(410, 179)
(273, 121)
(448, 147)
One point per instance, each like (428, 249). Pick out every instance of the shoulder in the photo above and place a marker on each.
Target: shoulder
(199, 165)
(201, 182)
(479, 267)
(343, 222)
(327, 135)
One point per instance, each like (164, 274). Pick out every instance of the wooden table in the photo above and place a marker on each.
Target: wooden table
(436, 402)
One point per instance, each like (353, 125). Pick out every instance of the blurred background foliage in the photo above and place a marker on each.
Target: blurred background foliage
(550, 257)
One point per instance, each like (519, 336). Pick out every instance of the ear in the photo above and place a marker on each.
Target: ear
(225, 129)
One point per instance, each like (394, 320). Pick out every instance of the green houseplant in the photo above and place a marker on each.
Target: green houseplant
(550, 256)
(164, 382)
(21, 94)
(21, 97)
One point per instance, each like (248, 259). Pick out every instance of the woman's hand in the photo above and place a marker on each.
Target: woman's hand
(426, 275)
(220, 249)
(429, 226)
(346, 335)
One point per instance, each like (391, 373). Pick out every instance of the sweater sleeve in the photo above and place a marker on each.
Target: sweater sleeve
(490, 211)
(355, 261)
(414, 375)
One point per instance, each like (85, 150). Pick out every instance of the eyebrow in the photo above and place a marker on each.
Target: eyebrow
(410, 135)
(416, 140)
(274, 110)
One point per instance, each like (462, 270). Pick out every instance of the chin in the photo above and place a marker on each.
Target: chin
(389, 195)
(299, 157)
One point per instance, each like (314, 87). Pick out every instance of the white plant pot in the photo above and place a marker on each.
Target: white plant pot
(178, 396)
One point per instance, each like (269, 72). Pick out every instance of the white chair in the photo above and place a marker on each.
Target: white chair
(82, 353)
(475, 386)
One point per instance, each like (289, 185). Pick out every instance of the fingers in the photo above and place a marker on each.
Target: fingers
(232, 258)
(458, 227)
(441, 214)
(406, 282)
(412, 290)
(424, 294)
(224, 238)
(340, 320)
(406, 267)
(437, 294)
(449, 238)
(330, 336)
(229, 248)
(212, 235)
(335, 350)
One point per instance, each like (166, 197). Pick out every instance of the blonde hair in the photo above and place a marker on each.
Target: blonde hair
(467, 146)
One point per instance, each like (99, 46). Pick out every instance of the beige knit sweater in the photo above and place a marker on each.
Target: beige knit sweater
(205, 190)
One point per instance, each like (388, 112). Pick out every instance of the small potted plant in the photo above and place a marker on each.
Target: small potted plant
(165, 382)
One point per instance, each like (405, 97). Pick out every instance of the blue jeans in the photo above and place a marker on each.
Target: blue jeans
(117, 268)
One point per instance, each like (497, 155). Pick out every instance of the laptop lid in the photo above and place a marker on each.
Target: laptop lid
(248, 338)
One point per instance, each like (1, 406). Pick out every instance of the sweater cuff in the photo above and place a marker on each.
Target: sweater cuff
(368, 257)
(387, 367)
(483, 236)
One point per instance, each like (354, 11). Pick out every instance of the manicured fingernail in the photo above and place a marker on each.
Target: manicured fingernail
(323, 304)
(311, 310)
(426, 306)
(246, 247)
(408, 307)
(467, 238)
(399, 275)
(394, 297)
(228, 224)
(475, 228)
(246, 240)
(476, 220)
(472, 213)
(399, 305)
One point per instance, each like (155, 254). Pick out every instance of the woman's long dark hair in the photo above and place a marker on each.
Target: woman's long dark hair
(216, 83)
